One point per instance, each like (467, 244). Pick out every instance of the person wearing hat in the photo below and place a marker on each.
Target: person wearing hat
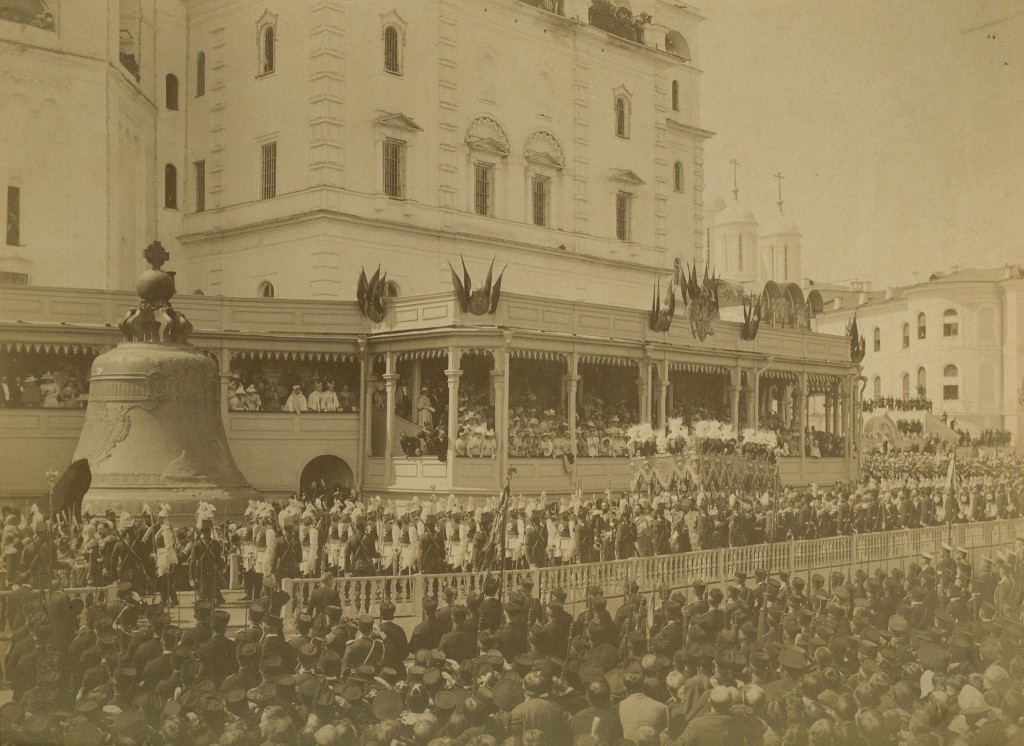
(31, 395)
(252, 402)
(296, 401)
(425, 410)
(538, 712)
(207, 561)
(368, 647)
(247, 676)
(460, 643)
(396, 644)
(218, 652)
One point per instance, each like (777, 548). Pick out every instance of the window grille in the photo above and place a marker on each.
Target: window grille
(13, 216)
(268, 185)
(200, 74)
(392, 62)
(483, 190)
(621, 117)
(200, 167)
(677, 177)
(623, 204)
(269, 42)
(540, 200)
(394, 168)
(170, 187)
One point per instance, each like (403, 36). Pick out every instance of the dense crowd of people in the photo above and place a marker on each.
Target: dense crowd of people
(898, 404)
(930, 655)
(252, 391)
(50, 390)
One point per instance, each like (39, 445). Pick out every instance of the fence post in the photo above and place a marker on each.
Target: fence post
(719, 565)
(791, 557)
(854, 550)
(417, 597)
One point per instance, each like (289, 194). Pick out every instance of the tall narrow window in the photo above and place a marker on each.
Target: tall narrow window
(906, 385)
(621, 117)
(950, 323)
(200, 74)
(922, 382)
(394, 168)
(877, 339)
(922, 326)
(950, 385)
(265, 289)
(268, 51)
(876, 387)
(675, 95)
(906, 336)
(541, 195)
(268, 170)
(623, 208)
(483, 189)
(13, 216)
(170, 187)
(200, 169)
(392, 57)
(677, 177)
(171, 91)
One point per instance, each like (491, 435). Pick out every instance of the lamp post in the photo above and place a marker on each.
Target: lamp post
(52, 475)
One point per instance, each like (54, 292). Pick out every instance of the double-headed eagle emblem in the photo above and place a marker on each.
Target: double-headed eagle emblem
(484, 299)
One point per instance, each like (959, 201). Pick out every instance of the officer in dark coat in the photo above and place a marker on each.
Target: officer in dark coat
(207, 564)
(288, 554)
(428, 633)
(396, 646)
(361, 550)
(217, 655)
(537, 541)
(432, 554)
(460, 643)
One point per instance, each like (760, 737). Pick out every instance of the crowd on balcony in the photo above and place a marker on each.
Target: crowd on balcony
(990, 438)
(56, 389)
(251, 390)
(898, 404)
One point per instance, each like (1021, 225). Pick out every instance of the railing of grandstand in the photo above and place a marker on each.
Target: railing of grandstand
(846, 554)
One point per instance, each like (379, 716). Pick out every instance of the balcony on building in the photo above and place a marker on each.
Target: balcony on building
(617, 20)
(551, 6)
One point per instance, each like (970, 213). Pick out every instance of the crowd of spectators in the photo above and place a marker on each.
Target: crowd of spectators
(250, 390)
(898, 404)
(57, 389)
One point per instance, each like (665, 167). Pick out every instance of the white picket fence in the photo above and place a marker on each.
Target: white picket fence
(843, 553)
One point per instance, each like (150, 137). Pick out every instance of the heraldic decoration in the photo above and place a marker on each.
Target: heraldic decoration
(484, 299)
(371, 295)
(662, 312)
(857, 344)
(154, 319)
(701, 299)
(751, 317)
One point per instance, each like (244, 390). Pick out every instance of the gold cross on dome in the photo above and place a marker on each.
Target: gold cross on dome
(156, 255)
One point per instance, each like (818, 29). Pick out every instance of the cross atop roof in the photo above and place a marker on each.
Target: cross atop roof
(735, 179)
(156, 255)
(780, 177)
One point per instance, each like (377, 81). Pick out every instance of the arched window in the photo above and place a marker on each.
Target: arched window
(950, 323)
(675, 95)
(268, 49)
(922, 326)
(200, 74)
(392, 51)
(170, 187)
(905, 381)
(677, 177)
(876, 336)
(950, 384)
(171, 91)
(906, 336)
(265, 289)
(876, 387)
(621, 116)
(922, 382)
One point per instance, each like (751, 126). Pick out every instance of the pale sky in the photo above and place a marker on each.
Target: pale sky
(898, 125)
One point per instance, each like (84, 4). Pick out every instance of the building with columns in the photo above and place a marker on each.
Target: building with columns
(276, 149)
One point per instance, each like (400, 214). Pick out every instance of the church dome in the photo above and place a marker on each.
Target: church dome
(735, 213)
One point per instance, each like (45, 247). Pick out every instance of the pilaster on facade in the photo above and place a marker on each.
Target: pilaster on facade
(447, 114)
(698, 200)
(327, 94)
(217, 71)
(581, 143)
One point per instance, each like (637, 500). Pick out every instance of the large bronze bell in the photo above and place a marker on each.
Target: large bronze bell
(153, 430)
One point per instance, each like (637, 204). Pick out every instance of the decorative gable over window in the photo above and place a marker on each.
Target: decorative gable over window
(626, 176)
(543, 149)
(397, 121)
(485, 133)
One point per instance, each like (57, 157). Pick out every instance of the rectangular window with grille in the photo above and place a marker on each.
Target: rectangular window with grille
(13, 216)
(541, 195)
(394, 168)
(200, 169)
(391, 62)
(268, 171)
(483, 189)
(623, 208)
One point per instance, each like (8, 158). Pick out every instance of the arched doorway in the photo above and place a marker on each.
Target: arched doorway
(323, 474)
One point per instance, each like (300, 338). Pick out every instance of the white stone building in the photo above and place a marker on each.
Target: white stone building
(956, 336)
(276, 148)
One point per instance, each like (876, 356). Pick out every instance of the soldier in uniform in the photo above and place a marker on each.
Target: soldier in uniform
(361, 550)
(166, 557)
(207, 562)
(288, 554)
(536, 541)
(432, 549)
(129, 556)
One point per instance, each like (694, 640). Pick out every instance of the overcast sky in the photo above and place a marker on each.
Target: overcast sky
(898, 125)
